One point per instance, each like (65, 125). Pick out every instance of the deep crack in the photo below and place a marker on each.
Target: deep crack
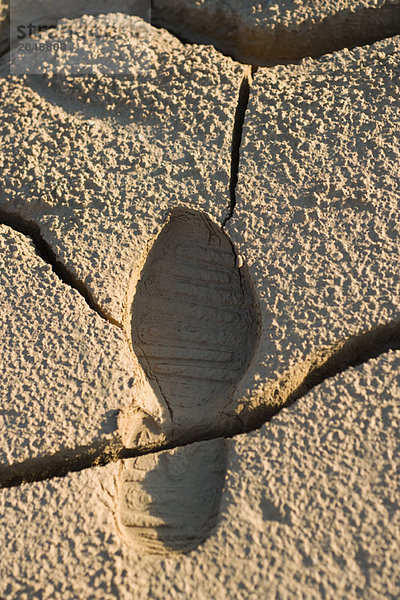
(240, 113)
(353, 352)
(344, 354)
(69, 460)
(45, 251)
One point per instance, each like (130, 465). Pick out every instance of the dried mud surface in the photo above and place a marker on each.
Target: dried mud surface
(309, 509)
(316, 217)
(140, 308)
(65, 371)
(113, 155)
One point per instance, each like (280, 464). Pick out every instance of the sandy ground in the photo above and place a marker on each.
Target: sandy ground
(66, 371)
(113, 156)
(309, 510)
(127, 320)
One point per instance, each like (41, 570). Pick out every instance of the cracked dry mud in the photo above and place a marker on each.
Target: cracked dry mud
(171, 116)
(309, 506)
(67, 372)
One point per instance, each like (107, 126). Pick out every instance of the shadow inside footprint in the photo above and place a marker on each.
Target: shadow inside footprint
(169, 502)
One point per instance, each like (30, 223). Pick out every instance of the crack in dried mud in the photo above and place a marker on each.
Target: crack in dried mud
(352, 352)
(349, 353)
(45, 251)
(240, 113)
(70, 460)
(326, 364)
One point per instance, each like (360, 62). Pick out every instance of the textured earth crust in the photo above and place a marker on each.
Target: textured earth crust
(115, 276)
(310, 510)
(114, 155)
(50, 12)
(251, 32)
(316, 218)
(263, 32)
(65, 371)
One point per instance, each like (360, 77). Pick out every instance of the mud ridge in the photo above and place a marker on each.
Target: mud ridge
(228, 32)
(45, 251)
